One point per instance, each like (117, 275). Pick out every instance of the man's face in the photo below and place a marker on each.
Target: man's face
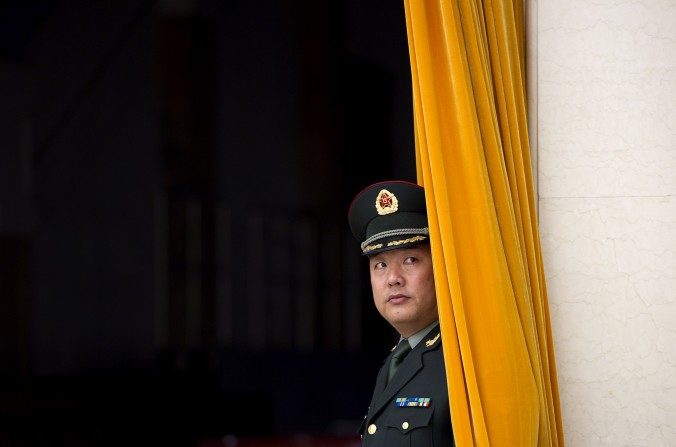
(403, 288)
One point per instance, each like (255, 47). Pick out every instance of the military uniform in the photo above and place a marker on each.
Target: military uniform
(412, 409)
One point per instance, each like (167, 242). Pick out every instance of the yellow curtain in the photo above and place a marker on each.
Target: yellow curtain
(467, 64)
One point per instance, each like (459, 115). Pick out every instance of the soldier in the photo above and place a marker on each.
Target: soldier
(410, 401)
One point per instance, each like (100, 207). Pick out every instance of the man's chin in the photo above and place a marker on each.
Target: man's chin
(400, 322)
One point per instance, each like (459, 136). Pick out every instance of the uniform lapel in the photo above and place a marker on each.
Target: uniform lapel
(381, 380)
(407, 370)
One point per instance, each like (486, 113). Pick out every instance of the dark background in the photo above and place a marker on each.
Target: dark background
(175, 260)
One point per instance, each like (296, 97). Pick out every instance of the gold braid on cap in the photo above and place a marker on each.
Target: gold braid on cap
(398, 232)
(406, 241)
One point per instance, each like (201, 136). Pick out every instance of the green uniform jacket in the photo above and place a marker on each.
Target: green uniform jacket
(420, 375)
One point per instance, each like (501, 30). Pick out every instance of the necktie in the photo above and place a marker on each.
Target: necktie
(400, 352)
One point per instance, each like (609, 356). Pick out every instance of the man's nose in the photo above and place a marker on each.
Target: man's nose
(394, 276)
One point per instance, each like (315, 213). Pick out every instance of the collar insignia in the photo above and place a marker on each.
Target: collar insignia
(386, 202)
(431, 341)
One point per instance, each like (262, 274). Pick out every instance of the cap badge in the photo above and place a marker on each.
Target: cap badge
(386, 202)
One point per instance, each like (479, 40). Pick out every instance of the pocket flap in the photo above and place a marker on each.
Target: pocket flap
(407, 419)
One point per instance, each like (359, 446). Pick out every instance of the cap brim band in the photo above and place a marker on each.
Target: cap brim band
(393, 243)
(397, 232)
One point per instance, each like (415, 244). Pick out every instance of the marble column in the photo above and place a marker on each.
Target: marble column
(606, 172)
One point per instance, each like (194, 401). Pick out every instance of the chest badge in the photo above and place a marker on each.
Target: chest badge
(413, 401)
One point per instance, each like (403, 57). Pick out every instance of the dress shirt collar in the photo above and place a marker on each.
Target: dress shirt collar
(418, 336)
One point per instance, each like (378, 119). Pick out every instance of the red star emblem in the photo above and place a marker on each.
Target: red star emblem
(385, 200)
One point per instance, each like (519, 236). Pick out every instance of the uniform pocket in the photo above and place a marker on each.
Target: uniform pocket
(413, 425)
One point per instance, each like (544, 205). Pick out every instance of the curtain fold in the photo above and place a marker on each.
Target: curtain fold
(472, 157)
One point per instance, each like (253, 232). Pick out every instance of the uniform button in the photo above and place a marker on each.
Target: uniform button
(404, 425)
(372, 429)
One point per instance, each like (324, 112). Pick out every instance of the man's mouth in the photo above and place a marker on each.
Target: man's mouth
(396, 299)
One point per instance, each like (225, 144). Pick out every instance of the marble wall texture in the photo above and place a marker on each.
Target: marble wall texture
(606, 173)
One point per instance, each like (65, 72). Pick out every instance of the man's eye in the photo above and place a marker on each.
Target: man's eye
(410, 260)
(379, 265)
